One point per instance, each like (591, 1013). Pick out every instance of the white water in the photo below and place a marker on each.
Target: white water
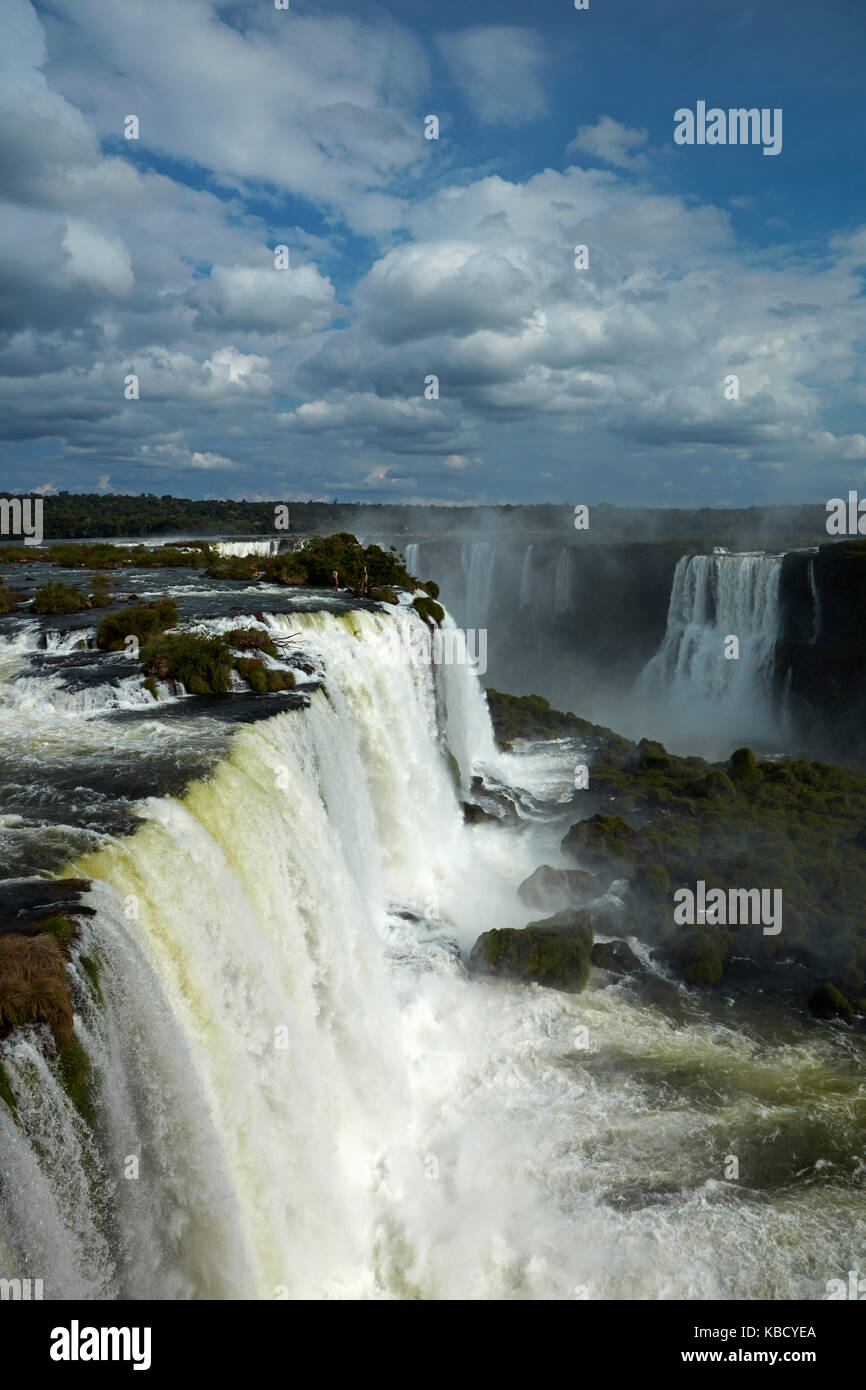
(697, 691)
(269, 547)
(420, 1134)
(562, 581)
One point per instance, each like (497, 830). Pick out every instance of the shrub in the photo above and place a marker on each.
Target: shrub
(245, 639)
(202, 664)
(59, 598)
(144, 621)
(9, 599)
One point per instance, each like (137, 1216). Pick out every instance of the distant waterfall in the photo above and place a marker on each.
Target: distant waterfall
(562, 581)
(478, 559)
(715, 597)
(241, 548)
(526, 578)
(413, 558)
(816, 603)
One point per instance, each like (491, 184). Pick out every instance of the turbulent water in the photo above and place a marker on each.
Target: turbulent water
(319, 1102)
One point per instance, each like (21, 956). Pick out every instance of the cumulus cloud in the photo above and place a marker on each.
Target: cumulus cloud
(500, 71)
(612, 142)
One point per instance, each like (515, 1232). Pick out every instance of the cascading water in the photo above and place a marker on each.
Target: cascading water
(695, 684)
(526, 578)
(562, 581)
(321, 1104)
(241, 548)
(478, 559)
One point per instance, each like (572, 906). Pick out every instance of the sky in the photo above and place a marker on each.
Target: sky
(412, 258)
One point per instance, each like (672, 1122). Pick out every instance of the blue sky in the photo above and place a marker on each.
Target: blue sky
(411, 257)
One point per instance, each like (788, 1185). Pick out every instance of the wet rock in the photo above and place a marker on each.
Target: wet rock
(829, 1002)
(553, 888)
(615, 956)
(554, 952)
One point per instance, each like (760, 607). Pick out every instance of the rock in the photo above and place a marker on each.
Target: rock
(552, 888)
(554, 952)
(474, 815)
(605, 844)
(828, 1002)
(615, 956)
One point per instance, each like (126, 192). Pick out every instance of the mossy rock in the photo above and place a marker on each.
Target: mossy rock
(851, 981)
(385, 594)
(828, 1002)
(743, 766)
(615, 956)
(547, 887)
(605, 844)
(151, 685)
(6, 1094)
(554, 952)
(431, 611)
(76, 1074)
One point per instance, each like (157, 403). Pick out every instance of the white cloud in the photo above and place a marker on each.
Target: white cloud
(612, 142)
(500, 71)
(96, 259)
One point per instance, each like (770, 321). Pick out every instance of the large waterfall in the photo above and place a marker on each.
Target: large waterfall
(698, 680)
(300, 1093)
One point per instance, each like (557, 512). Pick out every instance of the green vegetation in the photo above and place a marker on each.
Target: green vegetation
(530, 716)
(793, 825)
(202, 664)
(317, 563)
(144, 621)
(59, 598)
(431, 611)
(263, 681)
(553, 952)
(9, 599)
(102, 556)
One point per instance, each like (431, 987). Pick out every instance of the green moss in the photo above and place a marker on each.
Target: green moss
(531, 717)
(151, 685)
(6, 1093)
(92, 969)
(554, 952)
(431, 587)
(431, 611)
(76, 1075)
(261, 680)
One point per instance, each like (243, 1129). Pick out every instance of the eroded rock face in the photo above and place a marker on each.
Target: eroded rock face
(549, 888)
(553, 952)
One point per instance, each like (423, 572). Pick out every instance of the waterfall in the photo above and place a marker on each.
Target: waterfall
(816, 604)
(562, 581)
(240, 548)
(526, 578)
(413, 558)
(298, 1092)
(478, 559)
(714, 597)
